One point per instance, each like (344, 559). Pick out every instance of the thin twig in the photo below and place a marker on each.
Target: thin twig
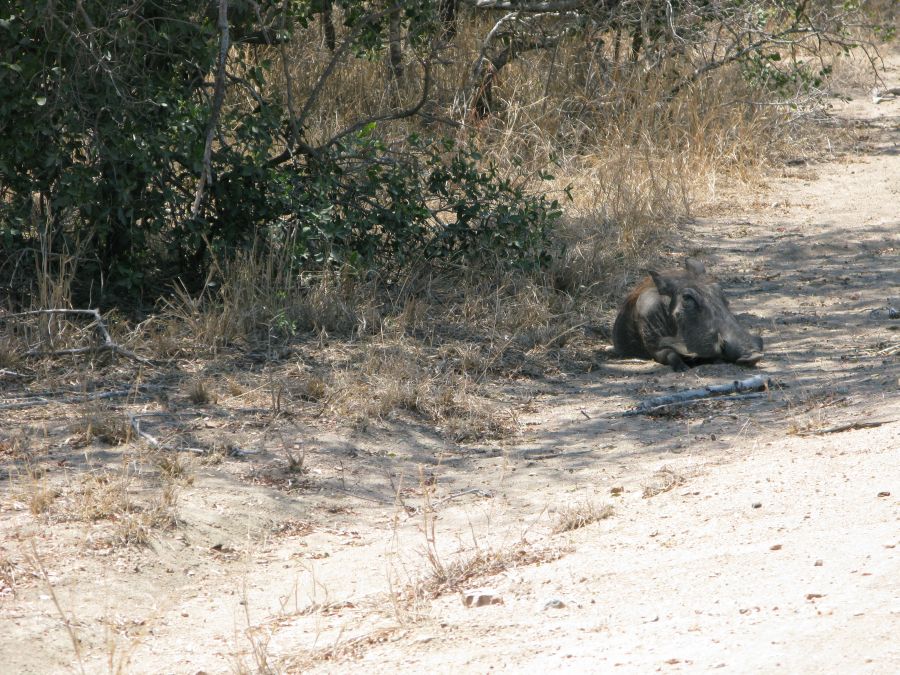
(134, 420)
(67, 620)
(461, 493)
(401, 114)
(754, 383)
(555, 455)
(415, 510)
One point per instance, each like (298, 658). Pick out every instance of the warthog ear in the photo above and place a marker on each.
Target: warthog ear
(694, 266)
(665, 285)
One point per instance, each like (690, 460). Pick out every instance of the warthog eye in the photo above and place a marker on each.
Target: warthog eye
(689, 300)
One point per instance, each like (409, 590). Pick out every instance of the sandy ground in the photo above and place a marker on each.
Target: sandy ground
(747, 536)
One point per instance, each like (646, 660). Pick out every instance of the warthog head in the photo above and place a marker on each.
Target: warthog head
(682, 315)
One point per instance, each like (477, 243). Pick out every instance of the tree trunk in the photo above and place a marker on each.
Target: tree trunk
(328, 26)
(395, 49)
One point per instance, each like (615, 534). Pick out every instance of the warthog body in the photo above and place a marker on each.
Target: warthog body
(681, 318)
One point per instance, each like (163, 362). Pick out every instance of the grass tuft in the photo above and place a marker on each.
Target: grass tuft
(580, 515)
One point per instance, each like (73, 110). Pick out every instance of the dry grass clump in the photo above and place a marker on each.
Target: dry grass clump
(200, 393)
(466, 568)
(663, 480)
(134, 505)
(33, 487)
(10, 571)
(173, 467)
(105, 425)
(103, 495)
(262, 298)
(425, 348)
(402, 376)
(15, 448)
(576, 516)
(10, 354)
(41, 497)
(350, 648)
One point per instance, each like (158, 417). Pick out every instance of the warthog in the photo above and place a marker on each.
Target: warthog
(681, 318)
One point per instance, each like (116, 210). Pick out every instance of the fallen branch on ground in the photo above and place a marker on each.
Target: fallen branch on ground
(108, 343)
(751, 384)
(42, 399)
(680, 404)
(850, 426)
(134, 420)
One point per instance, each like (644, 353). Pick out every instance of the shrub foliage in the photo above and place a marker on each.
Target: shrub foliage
(139, 139)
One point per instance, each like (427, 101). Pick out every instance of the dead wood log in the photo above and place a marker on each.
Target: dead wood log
(751, 384)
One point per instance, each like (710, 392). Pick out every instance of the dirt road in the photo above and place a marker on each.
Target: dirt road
(751, 536)
(776, 543)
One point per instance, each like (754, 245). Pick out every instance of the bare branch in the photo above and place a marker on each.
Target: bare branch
(487, 68)
(755, 383)
(849, 426)
(108, 344)
(408, 112)
(395, 50)
(218, 99)
(289, 81)
(299, 120)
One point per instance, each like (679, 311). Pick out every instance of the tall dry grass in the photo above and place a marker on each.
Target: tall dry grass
(633, 156)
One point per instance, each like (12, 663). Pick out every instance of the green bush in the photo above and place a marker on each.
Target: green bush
(104, 110)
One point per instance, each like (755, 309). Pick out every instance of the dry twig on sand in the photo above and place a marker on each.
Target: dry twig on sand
(849, 426)
(739, 387)
(134, 420)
